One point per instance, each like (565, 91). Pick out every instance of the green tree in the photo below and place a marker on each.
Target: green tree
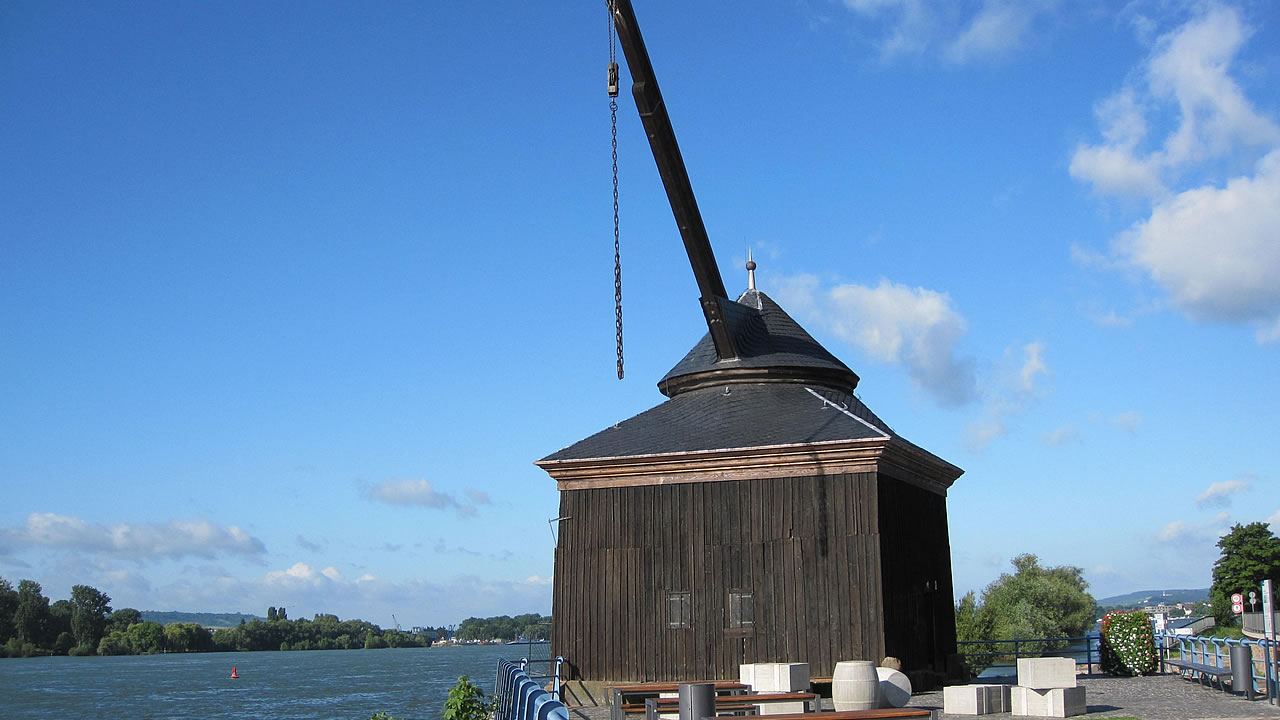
(1250, 554)
(63, 644)
(59, 621)
(1032, 603)
(8, 606)
(974, 629)
(89, 610)
(123, 618)
(146, 637)
(32, 612)
(271, 613)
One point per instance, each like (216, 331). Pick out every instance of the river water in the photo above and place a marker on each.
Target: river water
(410, 683)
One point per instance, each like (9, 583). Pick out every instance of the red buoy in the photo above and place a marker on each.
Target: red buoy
(234, 676)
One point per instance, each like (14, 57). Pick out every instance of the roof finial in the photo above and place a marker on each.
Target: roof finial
(751, 271)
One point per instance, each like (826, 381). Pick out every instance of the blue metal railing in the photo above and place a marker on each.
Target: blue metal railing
(1216, 651)
(521, 698)
(536, 660)
(1004, 654)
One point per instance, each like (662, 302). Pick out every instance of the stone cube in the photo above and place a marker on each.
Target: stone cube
(975, 699)
(1046, 673)
(1054, 702)
(776, 677)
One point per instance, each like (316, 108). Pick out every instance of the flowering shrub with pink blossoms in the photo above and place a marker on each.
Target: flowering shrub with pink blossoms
(1128, 644)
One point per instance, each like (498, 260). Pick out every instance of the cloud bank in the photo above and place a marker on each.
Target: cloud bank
(1211, 245)
(138, 541)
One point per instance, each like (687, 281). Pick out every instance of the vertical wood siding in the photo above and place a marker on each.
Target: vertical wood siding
(822, 556)
(920, 627)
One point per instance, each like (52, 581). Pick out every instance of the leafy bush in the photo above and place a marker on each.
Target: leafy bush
(1128, 644)
(467, 702)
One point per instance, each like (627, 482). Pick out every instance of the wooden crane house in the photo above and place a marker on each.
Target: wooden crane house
(761, 513)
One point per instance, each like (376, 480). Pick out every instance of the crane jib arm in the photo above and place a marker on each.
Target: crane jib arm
(666, 153)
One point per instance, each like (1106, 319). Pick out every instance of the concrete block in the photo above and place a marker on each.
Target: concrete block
(792, 677)
(776, 677)
(1046, 673)
(1054, 702)
(975, 699)
(997, 697)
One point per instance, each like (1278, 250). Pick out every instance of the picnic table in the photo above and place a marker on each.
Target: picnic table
(629, 698)
(744, 703)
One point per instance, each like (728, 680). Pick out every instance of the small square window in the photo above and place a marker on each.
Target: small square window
(679, 612)
(741, 609)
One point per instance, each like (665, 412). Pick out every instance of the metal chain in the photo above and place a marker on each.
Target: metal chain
(617, 247)
(617, 255)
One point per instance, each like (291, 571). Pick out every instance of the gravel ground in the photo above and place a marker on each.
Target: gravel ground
(1158, 697)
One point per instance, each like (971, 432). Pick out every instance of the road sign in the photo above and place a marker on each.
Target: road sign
(1237, 608)
(1237, 598)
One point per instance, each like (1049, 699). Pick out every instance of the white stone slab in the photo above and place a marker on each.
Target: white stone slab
(1054, 702)
(963, 700)
(1046, 673)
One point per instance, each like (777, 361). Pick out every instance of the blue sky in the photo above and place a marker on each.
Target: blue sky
(293, 294)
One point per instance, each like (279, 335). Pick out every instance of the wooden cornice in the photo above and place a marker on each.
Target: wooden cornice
(883, 455)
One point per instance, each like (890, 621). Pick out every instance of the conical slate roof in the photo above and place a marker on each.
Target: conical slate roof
(771, 348)
(784, 393)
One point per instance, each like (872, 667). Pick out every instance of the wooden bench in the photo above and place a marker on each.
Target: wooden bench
(734, 703)
(854, 714)
(1211, 672)
(629, 698)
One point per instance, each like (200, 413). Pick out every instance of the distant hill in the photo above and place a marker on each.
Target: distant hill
(1154, 597)
(214, 620)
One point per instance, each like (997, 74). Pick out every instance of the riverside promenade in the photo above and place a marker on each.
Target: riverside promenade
(1156, 697)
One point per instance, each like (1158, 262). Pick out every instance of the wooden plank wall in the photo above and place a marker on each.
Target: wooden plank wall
(807, 548)
(919, 616)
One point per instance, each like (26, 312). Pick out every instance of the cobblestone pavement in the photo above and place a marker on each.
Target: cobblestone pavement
(1160, 697)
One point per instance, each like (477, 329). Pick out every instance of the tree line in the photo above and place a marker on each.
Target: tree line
(86, 625)
(530, 626)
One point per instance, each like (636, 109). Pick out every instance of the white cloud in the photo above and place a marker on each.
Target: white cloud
(956, 32)
(1033, 366)
(301, 574)
(1219, 494)
(421, 492)
(1211, 245)
(411, 492)
(175, 539)
(1174, 532)
(914, 328)
(1061, 435)
(1274, 521)
(979, 434)
(1188, 72)
(1216, 251)
(1128, 421)
(999, 28)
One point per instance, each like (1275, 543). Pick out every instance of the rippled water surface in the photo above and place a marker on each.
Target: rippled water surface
(315, 685)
